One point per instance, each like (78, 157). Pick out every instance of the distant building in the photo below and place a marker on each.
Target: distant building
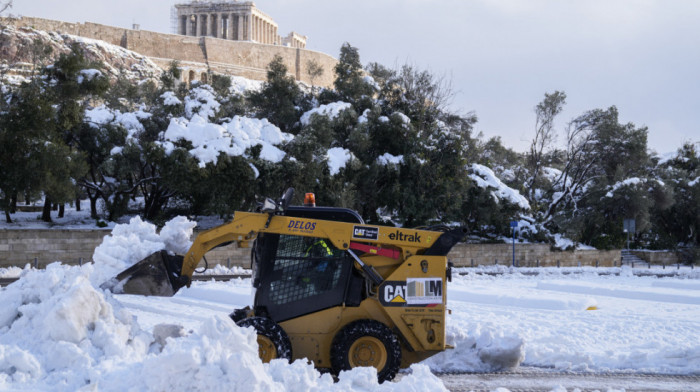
(232, 20)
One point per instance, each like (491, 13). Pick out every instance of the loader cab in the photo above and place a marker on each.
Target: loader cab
(295, 275)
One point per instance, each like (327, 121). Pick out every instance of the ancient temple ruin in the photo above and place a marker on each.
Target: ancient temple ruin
(232, 20)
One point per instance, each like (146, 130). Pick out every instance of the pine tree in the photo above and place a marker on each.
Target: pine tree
(279, 98)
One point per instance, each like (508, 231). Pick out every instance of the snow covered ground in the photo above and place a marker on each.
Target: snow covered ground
(59, 331)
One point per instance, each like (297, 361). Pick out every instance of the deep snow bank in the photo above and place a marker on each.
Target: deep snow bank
(59, 331)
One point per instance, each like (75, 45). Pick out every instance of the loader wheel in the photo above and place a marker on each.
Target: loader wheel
(273, 342)
(366, 343)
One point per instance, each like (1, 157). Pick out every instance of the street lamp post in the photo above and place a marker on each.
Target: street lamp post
(514, 225)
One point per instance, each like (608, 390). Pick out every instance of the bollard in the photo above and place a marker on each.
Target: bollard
(615, 263)
(472, 263)
(80, 261)
(538, 263)
(664, 265)
(597, 263)
(36, 263)
(633, 264)
(558, 265)
(228, 263)
(495, 262)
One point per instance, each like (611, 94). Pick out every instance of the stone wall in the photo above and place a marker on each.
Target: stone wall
(18, 247)
(240, 58)
(530, 255)
(657, 257)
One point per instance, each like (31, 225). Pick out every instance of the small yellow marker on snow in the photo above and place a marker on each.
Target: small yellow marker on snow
(592, 308)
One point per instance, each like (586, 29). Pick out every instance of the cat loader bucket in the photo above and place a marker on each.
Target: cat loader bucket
(156, 275)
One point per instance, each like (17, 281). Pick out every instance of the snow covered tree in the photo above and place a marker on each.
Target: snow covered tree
(602, 156)
(26, 119)
(73, 83)
(677, 222)
(279, 98)
(350, 82)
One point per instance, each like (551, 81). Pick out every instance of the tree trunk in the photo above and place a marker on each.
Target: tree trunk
(93, 207)
(13, 203)
(8, 219)
(46, 212)
(54, 207)
(61, 210)
(77, 203)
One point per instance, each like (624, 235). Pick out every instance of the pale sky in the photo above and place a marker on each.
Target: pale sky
(642, 56)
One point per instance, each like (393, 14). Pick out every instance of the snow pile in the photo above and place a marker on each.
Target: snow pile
(486, 179)
(132, 242)
(223, 270)
(332, 110)
(231, 138)
(12, 272)
(57, 332)
(480, 348)
(337, 159)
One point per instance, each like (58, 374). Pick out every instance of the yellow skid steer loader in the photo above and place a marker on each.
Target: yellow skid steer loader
(328, 287)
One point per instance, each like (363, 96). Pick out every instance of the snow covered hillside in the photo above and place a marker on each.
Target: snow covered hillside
(17, 46)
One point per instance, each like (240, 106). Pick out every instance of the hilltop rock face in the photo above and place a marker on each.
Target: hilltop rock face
(22, 49)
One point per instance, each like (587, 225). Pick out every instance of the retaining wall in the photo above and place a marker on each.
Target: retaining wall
(19, 247)
(241, 58)
(654, 257)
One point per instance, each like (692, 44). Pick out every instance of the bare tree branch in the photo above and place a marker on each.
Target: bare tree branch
(545, 135)
(5, 5)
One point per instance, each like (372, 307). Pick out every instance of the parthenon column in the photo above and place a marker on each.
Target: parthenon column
(252, 28)
(230, 32)
(257, 29)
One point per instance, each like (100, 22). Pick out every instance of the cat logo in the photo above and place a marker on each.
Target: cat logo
(413, 292)
(365, 232)
(393, 294)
